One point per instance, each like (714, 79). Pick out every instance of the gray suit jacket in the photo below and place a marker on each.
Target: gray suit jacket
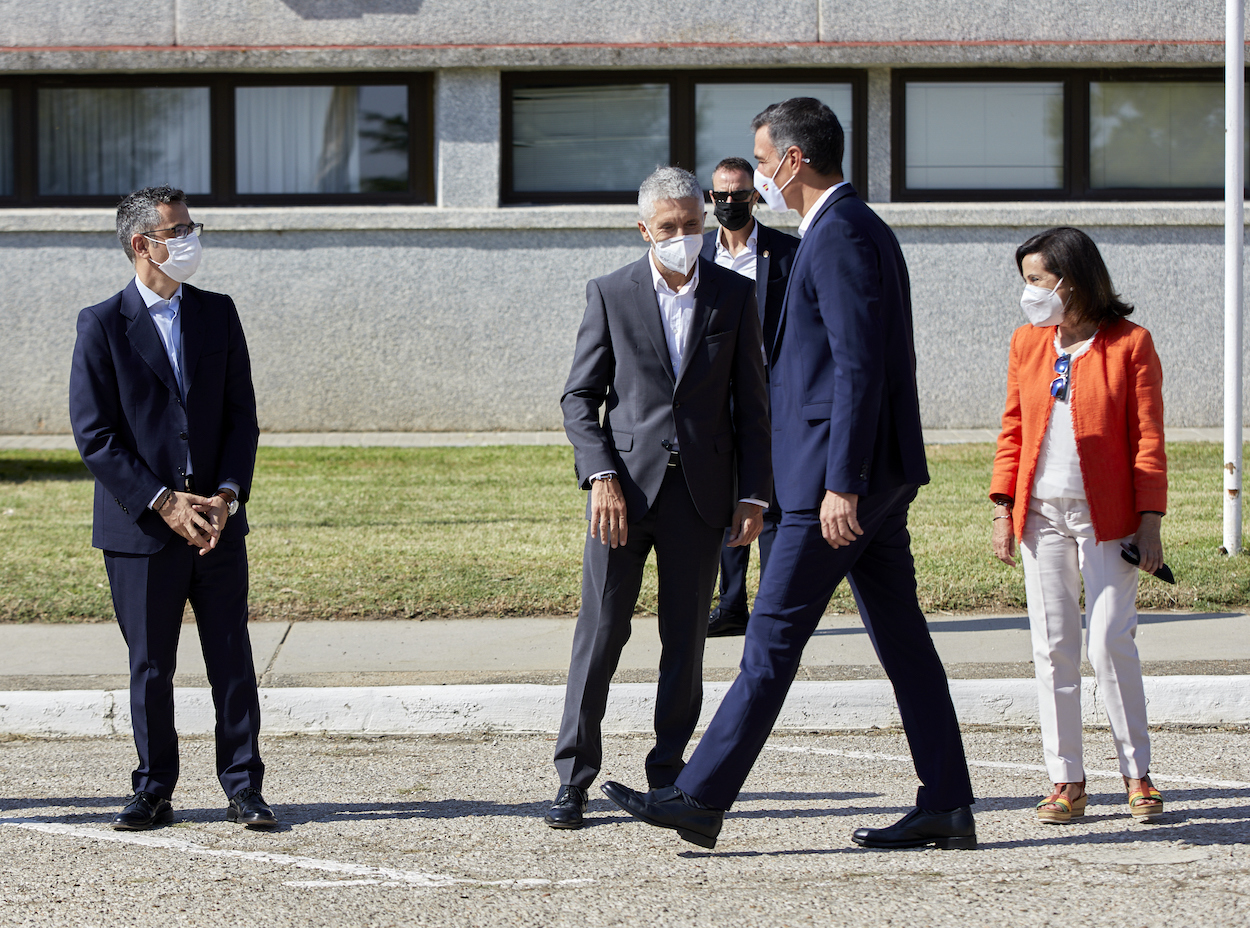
(622, 361)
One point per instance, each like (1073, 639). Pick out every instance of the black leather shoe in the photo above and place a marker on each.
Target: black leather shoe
(143, 811)
(569, 808)
(953, 830)
(724, 624)
(248, 807)
(669, 808)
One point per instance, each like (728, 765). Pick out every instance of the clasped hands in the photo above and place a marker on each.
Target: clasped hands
(198, 519)
(608, 520)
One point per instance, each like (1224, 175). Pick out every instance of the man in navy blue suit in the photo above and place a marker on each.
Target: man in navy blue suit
(745, 245)
(164, 415)
(848, 458)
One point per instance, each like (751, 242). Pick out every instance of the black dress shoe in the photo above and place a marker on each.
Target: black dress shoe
(143, 811)
(954, 830)
(725, 624)
(248, 807)
(670, 808)
(569, 808)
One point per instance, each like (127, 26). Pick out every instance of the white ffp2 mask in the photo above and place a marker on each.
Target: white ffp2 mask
(679, 253)
(1042, 307)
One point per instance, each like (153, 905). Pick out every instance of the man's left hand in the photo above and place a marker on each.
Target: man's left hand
(747, 524)
(216, 511)
(839, 522)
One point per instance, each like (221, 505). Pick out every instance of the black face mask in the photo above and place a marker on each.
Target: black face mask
(732, 216)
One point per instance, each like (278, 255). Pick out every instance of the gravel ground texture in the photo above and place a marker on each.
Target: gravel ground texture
(448, 831)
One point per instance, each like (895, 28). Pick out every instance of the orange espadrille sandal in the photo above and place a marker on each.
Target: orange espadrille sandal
(1061, 806)
(1145, 802)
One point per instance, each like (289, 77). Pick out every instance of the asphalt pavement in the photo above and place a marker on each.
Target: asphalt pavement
(436, 830)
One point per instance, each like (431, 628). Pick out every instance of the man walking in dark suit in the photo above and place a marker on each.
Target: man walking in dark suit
(849, 457)
(164, 416)
(747, 246)
(671, 345)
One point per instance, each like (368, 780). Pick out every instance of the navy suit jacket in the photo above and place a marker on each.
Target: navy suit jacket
(774, 258)
(845, 412)
(133, 428)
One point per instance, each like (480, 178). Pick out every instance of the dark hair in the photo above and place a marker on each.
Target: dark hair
(1072, 255)
(137, 212)
(734, 164)
(809, 125)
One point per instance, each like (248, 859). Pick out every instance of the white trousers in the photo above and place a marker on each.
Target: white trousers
(1058, 550)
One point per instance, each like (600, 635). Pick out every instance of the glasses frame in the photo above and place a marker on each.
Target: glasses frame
(732, 196)
(192, 229)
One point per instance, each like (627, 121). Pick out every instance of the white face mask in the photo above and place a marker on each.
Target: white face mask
(678, 254)
(770, 192)
(184, 257)
(1042, 307)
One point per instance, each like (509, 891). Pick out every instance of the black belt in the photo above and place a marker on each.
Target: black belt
(674, 459)
(188, 483)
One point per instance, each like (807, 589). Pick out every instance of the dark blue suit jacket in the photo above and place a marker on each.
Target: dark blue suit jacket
(132, 427)
(846, 416)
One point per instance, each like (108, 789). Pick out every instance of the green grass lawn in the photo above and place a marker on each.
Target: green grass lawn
(391, 532)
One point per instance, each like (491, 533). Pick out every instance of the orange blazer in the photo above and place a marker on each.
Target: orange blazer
(1117, 416)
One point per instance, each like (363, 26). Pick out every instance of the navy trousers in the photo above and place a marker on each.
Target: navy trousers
(803, 572)
(735, 561)
(149, 595)
(686, 550)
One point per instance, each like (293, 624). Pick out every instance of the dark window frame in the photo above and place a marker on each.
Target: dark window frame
(1076, 154)
(222, 135)
(682, 127)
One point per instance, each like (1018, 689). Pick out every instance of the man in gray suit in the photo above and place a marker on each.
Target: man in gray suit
(666, 343)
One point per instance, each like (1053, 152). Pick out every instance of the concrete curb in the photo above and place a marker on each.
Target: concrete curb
(409, 710)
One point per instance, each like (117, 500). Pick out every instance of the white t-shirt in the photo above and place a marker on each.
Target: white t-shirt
(1059, 466)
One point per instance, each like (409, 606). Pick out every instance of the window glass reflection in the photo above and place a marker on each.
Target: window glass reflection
(973, 135)
(592, 138)
(109, 141)
(1156, 134)
(6, 142)
(723, 114)
(321, 139)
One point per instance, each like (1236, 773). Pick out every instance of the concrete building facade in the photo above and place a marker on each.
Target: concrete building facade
(443, 291)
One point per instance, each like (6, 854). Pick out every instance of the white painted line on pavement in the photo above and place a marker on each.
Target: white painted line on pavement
(999, 765)
(378, 874)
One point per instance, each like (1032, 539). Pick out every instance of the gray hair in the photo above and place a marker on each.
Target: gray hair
(668, 183)
(137, 212)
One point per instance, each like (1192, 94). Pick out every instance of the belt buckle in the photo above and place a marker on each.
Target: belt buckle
(674, 458)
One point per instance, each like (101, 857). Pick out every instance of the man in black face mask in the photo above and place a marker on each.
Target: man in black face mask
(752, 249)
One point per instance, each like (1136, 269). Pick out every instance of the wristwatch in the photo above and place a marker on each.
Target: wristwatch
(232, 501)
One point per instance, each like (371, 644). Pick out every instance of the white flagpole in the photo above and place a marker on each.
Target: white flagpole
(1234, 235)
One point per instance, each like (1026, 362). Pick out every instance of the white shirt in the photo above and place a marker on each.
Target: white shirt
(1058, 465)
(676, 312)
(811, 213)
(744, 261)
(167, 316)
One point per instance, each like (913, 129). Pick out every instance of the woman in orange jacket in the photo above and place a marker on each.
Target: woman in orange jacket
(1080, 469)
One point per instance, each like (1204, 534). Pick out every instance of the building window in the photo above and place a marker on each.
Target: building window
(998, 135)
(1156, 134)
(6, 142)
(723, 114)
(593, 138)
(588, 138)
(342, 139)
(226, 140)
(981, 135)
(107, 142)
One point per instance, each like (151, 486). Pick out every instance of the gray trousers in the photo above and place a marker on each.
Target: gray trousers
(687, 552)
